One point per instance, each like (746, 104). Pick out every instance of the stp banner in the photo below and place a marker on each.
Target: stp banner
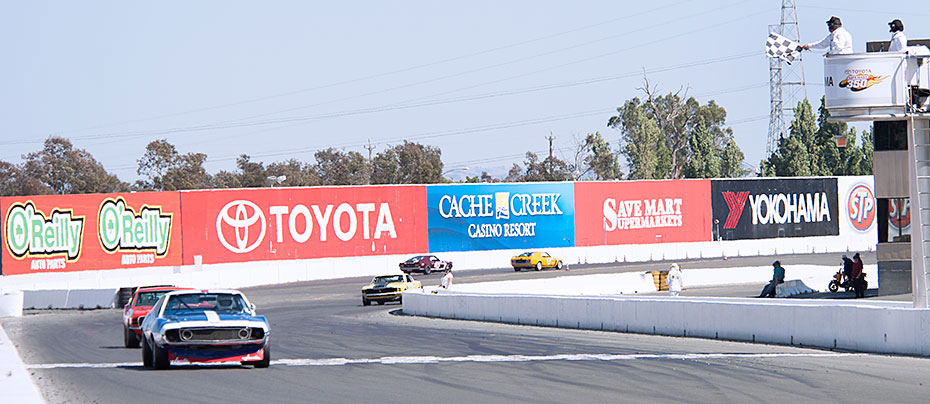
(62, 233)
(772, 208)
(299, 223)
(472, 217)
(639, 212)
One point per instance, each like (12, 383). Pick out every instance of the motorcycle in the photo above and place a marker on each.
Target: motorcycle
(840, 280)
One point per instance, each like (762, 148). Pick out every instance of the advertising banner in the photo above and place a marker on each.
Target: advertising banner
(62, 233)
(859, 206)
(299, 223)
(471, 217)
(772, 208)
(641, 212)
(865, 80)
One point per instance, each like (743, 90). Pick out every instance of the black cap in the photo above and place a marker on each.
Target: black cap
(896, 25)
(776, 263)
(834, 21)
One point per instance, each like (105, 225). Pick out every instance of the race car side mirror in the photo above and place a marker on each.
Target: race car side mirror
(252, 306)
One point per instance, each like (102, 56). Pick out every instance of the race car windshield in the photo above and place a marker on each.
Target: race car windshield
(414, 259)
(194, 303)
(149, 298)
(388, 279)
(526, 254)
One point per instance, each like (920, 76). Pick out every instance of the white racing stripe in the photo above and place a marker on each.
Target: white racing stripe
(402, 360)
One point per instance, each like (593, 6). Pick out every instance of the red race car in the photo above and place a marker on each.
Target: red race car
(139, 305)
(424, 264)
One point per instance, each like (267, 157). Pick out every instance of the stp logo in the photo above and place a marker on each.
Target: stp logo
(238, 222)
(861, 207)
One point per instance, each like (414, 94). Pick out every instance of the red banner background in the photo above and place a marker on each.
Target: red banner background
(272, 224)
(63, 233)
(642, 212)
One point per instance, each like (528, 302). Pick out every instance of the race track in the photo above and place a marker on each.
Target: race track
(329, 348)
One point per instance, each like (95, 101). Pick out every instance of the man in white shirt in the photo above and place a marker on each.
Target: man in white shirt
(446, 281)
(673, 280)
(838, 42)
(898, 40)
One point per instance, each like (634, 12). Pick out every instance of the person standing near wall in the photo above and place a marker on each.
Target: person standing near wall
(858, 276)
(446, 281)
(673, 280)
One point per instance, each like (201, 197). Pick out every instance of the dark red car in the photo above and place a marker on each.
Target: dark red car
(139, 305)
(424, 264)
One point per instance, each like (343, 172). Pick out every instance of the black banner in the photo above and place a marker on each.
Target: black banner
(772, 208)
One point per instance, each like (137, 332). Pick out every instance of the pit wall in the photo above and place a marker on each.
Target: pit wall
(890, 327)
(238, 238)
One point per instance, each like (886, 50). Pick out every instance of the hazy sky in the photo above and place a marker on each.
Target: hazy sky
(483, 80)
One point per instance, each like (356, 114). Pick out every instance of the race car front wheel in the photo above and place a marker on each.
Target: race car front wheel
(160, 358)
(130, 339)
(146, 354)
(266, 358)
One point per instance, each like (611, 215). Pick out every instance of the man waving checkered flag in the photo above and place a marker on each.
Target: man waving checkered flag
(777, 46)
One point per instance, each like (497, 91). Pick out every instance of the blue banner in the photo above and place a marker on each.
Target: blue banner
(469, 217)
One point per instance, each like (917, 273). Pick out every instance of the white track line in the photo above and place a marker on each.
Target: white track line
(401, 360)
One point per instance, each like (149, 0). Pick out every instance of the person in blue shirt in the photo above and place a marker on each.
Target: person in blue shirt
(778, 276)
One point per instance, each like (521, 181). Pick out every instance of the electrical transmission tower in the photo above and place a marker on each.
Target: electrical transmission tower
(786, 81)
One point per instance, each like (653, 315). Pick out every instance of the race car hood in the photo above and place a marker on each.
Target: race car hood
(209, 316)
(384, 285)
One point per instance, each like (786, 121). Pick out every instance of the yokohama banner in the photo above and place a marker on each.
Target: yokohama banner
(299, 223)
(772, 208)
(58, 233)
(639, 212)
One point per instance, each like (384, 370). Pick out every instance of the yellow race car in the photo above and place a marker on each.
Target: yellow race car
(536, 260)
(386, 288)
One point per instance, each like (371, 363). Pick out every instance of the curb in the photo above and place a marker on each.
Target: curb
(15, 382)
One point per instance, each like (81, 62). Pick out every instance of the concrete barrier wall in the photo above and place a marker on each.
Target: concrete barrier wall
(888, 327)
(238, 275)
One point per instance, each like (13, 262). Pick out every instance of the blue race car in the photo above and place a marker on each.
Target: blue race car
(201, 326)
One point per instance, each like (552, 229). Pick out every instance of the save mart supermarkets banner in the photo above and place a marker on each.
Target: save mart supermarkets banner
(62, 233)
(773, 208)
(244, 225)
(472, 217)
(640, 212)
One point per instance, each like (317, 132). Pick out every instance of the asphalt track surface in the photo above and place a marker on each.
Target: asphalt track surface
(328, 348)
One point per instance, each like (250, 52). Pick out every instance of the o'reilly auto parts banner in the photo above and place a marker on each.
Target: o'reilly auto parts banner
(772, 208)
(500, 216)
(300, 223)
(639, 212)
(62, 233)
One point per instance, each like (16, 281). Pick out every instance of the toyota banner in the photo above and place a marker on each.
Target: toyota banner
(300, 223)
(64, 233)
(472, 217)
(773, 208)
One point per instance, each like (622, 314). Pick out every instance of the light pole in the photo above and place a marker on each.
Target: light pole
(276, 180)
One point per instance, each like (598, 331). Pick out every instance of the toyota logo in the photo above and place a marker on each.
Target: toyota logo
(240, 216)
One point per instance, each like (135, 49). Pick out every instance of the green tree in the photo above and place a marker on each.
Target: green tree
(550, 169)
(643, 144)
(705, 161)
(251, 174)
(732, 163)
(297, 173)
(162, 168)
(597, 160)
(14, 183)
(335, 167)
(408, 163)
(66, 170)
(515, 174)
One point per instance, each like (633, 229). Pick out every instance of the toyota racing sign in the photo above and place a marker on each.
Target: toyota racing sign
(301, 223)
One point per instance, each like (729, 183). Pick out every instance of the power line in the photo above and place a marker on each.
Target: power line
(378, 75)
(402, 107)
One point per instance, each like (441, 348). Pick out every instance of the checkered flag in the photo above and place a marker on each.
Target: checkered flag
(777, 46)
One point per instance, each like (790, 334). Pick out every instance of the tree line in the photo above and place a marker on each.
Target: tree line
(661, 136)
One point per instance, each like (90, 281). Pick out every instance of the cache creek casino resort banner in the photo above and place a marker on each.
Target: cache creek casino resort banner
(471, 217)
